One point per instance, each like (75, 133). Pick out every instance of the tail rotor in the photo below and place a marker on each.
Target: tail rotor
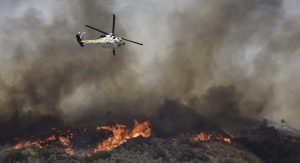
(79, 38)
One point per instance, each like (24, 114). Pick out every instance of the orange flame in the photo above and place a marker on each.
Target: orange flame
(64, 140)
(121, 134)
(38, 143)
(206, 137)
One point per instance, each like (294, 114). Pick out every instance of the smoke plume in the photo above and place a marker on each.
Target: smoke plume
(225, 59)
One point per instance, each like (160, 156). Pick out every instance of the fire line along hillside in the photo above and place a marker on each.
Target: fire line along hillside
(158, 138)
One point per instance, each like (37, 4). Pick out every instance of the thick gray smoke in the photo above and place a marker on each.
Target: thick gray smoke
(226, 58)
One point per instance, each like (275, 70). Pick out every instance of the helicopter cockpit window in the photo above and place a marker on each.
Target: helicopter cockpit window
(102, 36)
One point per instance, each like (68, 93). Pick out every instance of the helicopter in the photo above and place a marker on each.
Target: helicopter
(106, 40)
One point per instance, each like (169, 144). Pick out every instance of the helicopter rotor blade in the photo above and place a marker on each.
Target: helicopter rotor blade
(132, 41)
(96, 29)
(113, 27)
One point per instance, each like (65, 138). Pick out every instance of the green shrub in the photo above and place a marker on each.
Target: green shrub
(187, 155)
(230, 160)
(202, 157)
(46, 152)
(14, 156)
(99, 155)
(159, 153)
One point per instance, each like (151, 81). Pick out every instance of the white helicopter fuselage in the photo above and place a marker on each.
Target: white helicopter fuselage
(106, 41)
